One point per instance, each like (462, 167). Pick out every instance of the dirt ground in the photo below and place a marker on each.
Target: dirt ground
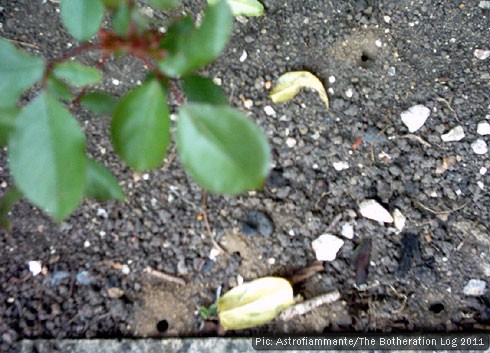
(377, 59)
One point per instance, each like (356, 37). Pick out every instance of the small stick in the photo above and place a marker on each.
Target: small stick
(307, 272)
(206, 222)
(165, 276)
(334, 222)
(439, 99)
(309, 305)
(416, 138)
(22, 43)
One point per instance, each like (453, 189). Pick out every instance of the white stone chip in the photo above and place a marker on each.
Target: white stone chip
(480, 184)
(125, 269)
(347, 231)
(475, 287)
(86, 244)
(35, 267)
(269, 110)
(326, 247)
(373, 210)
(331, 79)
(342, 165)
(399, 219)
(483, 170)
(115, 82)
(244, 56)
(483, 128)
(415, 117)
(213, 254)
(290, 142)
(485, 5)
(455, 134)
(479, 147)
(349, 93)
(102, 213)
(482, 54)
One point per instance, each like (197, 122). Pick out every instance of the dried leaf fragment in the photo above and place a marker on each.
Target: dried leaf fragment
(289, 84)
(254, 303)
(244, 7)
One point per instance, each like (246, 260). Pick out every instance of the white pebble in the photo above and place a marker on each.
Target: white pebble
(342, 165)
(475, 287)
(271, 261)
(455, 134)
(399, 219)
(483, 128)
(269, 110)
(290, 142)
(244, 56)
(326, 247)
(415, 117)
(373, 210)
(35, 267)
(248, 103)
(217, 81)
(480, 184)
(482, 54)
(86, 244)
(485, 5)
(479, 147)
(483, 170)
(387, 18)
(213, 254)
(331, 79)
(349, 93)
(125, 269)
(347, 231)
(115, 82)
(102, 213)
(146, 176)
(378, 43)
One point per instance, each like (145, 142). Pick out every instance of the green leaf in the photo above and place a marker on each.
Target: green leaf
(120, 19)
(222, 150)
(99, 102)
(101, 184)
(7, 118)
(200, 89)
(18, 72)
(254, 303)
(244, 7)
(82, 18)
(47, 156)
(58, 89)
(140, 126)
(77, 74)
(11, 196)
(203, 45)
(164, 4)
(113, 3)
(177, 31)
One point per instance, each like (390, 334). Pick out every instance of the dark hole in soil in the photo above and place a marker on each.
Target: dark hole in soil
(364, 58)
(162, 326)
(436, 308)
(367, 58)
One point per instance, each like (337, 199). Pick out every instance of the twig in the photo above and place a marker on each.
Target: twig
(334, 222)
(307, 272)
(21, 43)
(322, 196)
(165, 276)
(309, 305)
(400, 296)
(416, 138)
(439, 99)
(440, 212)
(206, 223)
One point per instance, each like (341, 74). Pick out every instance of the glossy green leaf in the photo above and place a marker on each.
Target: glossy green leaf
(82, 18)
(222, 150)
(58, 89)
(121, 19)
(244, 7)
(9, 198)
(7, 118)
(164, 4)
(200, 89)
(140, 127)
(101, 184)
(18, 72)
(99, 102)
(114, 3)
(47, 156)
(77, 74)
(254, 303)
(177, 32)
(203, 45)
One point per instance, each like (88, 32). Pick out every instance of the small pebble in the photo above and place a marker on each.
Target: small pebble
(269, 110)
(373, 210)
(342, 165)
(35, 267)
(115, 82)
(483, 128)
(331, 79)
(326, 247)
(391, 71)
(480, 184)
(290, 142)
(86, 244)
(102, 213)
(349, 93)
(482, 54)
(217, 81)
(483, 170)
(146, 176)
(248, 103)
(399, 219)
(244, 56)
(485, 5)
(475, 288)
(347, 231)
(415, 117)
(83, 278)
(125, 269)
(115, 292)
(479, 147)
(271, 261)
(387, 19)
(455, 134)
(213, 254)
(257, 222)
